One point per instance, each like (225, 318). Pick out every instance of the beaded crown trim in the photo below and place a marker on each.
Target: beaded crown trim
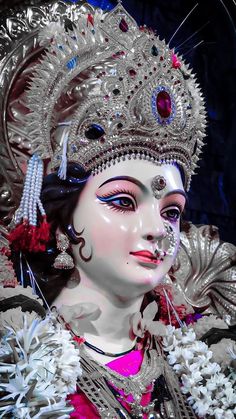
(109, 89)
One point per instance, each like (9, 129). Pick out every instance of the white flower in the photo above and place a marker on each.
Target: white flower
(230, 396)
(76, 314)
(45, 369)
(18, 386)
(19, 290)
(142, 323)
(14, 318)
(190, 381)
(206, 323)
(207, 388)
(211, 368)
(188, 337)
(222, 414)
(201, 407)
(222, 352)
(174, 356)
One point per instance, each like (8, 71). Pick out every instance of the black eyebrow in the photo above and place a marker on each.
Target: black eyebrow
(176, 191)
(128, 178)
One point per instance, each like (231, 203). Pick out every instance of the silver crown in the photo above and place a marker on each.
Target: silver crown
(107, 89)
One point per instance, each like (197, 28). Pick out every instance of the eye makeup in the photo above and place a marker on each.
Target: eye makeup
(172, 207)
(120, 199)
(173, 200)
(171, 213)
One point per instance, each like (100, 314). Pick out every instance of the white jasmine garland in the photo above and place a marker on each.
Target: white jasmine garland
(13, 318)
(43, 370)
(210, 393)
(206, 323)
(223, 352)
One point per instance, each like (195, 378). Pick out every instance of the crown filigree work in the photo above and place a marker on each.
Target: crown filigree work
(106, 88)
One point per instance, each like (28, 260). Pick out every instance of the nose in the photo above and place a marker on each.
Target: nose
(154, 227)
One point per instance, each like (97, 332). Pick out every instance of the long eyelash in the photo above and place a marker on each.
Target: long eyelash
(106, 199)
(115, 208)
(116, 192)
(173, 205)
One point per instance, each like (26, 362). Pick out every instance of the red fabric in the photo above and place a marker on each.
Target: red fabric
(30, 238)
(127, 365)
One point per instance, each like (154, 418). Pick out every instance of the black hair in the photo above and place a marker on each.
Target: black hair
(59, 198)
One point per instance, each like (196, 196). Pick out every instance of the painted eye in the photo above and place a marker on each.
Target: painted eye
(124, 203)
(171, 214)
(120, 203)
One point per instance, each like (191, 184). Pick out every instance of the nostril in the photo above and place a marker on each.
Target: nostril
(150, 237)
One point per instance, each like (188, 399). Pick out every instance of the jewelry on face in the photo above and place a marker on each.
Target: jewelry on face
(158, 185)
(172, 239)
(160, 254)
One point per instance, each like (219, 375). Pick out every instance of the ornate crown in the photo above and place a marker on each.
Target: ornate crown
(107, 89)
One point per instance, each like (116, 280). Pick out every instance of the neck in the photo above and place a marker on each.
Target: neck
(106, 323)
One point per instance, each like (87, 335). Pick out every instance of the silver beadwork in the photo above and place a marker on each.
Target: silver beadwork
(136, 101)
(158, 184)
(63, 260)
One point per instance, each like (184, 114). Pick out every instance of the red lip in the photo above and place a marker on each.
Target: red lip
(146, 257)
(144, 253)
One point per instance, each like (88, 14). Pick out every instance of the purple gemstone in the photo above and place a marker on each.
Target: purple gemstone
(123, 25)
(132, 72)
(163, 103)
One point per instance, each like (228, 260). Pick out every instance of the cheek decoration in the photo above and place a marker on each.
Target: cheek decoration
(169, 243)
(172, 239)
(77, 239)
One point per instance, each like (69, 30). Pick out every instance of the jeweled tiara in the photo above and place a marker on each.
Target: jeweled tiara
(106, 89)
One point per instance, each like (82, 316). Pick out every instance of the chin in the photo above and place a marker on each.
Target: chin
(139, 285)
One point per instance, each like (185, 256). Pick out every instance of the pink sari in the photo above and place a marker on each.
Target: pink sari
(126, 365)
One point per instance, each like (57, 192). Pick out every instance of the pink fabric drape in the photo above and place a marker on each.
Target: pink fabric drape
(126, 365)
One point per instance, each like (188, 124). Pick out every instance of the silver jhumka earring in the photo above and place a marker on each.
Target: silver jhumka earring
(63, 260)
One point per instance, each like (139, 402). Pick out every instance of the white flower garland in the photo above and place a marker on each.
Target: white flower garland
(39, 366)
(210, 393)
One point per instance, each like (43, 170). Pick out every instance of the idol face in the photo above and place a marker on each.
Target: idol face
(129, 215)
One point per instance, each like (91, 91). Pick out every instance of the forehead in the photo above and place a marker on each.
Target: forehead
(143, 171)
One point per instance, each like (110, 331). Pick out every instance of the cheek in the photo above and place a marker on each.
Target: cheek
(105, 230)
(113, 236)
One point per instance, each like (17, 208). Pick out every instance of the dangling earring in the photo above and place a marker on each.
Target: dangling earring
(63, 260)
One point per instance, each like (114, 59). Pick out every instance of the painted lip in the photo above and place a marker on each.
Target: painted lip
(146, 257)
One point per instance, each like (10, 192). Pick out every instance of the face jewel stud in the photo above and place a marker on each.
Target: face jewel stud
(157, 185)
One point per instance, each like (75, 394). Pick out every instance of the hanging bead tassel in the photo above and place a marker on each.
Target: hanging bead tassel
(63, 166)
(28, 235)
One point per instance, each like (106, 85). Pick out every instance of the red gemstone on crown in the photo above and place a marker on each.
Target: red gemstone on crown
(163, 103)
(123, 25)
(132, 72)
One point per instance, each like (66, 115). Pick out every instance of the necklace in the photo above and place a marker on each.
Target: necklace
(101, 352)
(110, 391)
(86, 343)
